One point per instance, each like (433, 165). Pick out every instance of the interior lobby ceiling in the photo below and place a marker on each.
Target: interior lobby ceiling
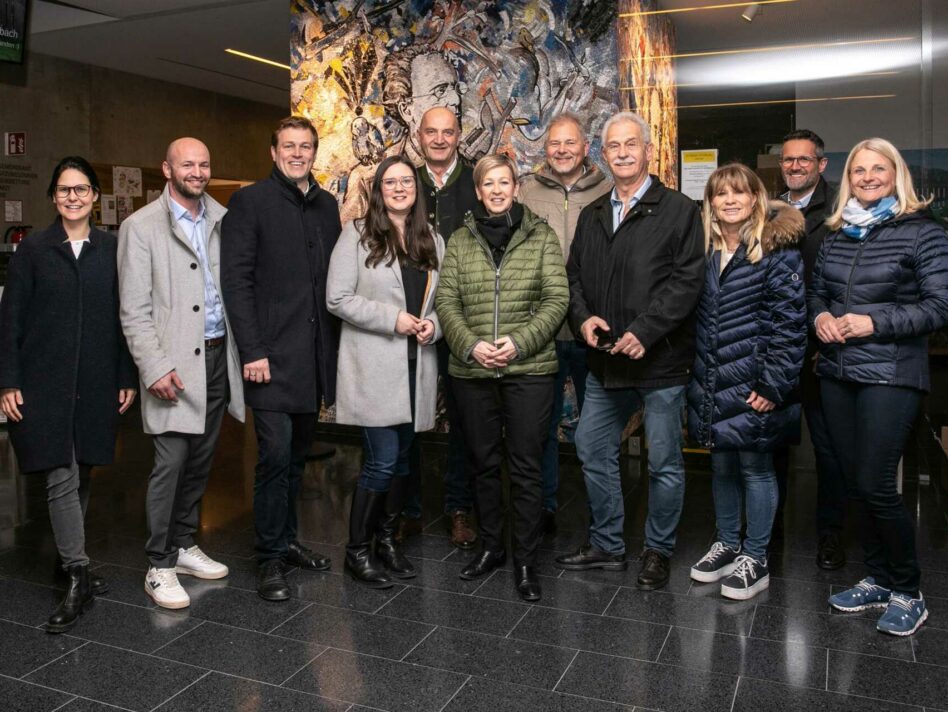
(184, 41)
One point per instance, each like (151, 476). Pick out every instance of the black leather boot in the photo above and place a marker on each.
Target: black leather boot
(98, 584)
(386, 548)
(78, 598)
(367, 509)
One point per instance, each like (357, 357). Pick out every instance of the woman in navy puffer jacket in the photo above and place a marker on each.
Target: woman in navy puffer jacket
(880, 286)
(750, 342)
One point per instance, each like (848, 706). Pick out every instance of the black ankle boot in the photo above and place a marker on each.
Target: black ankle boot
(367, 510)
(386, 548)
(78, 598)
(98, 584)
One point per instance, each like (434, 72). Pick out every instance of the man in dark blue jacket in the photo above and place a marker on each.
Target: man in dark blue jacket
(802, 164)
(636, 269)
(278, 236)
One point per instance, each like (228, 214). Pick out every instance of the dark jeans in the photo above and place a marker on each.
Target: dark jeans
(283, 441)
(458, 493)
(744, 480)
(868, 427)
(385, 450)
(182, 465)
(830, 481)
(572, 360)
(513, 410)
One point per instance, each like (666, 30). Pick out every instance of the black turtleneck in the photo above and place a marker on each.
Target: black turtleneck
(498, 229)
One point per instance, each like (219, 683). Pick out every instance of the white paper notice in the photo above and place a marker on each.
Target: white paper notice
(696, 167)
(12, 211)
(127, 181)
(109, 216)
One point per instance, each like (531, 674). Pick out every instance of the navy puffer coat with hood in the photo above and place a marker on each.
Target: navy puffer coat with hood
(898, 276)
(751, 337)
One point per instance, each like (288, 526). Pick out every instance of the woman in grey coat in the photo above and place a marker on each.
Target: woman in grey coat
(383, 277)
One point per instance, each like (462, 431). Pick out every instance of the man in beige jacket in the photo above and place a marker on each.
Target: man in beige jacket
(566, 184)
(177, 331)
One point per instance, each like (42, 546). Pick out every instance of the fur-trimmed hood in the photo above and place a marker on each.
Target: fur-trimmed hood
(784, 228)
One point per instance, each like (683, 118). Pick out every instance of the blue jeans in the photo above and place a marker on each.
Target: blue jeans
(458, 490)
(738, 476)
(572, 359)
(386, 450)
(605, 414)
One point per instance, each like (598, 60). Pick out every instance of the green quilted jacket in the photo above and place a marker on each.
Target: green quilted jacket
(525, 299)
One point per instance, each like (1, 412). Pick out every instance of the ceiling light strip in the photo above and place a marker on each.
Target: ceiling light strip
(787, 101)
(255, 58)
(720, 6)
(777, 48)
(726, 84)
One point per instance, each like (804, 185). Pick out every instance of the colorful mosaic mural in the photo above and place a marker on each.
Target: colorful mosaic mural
(365, 72)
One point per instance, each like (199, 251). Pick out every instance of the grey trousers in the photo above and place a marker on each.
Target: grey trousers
(182, 466)
(67, 494)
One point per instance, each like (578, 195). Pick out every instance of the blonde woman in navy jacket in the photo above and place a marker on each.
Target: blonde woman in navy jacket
(751, 336)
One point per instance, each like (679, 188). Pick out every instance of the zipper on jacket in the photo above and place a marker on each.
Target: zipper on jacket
(849, 289)
(490, 259)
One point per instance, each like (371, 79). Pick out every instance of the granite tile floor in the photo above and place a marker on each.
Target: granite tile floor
(594, 642)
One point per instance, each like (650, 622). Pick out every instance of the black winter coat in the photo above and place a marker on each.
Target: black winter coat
(61, 344)
(646, 278)
(275, 249)
(751, 337)
(898, 276)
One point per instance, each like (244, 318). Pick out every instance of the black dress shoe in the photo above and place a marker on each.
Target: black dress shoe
(830, 554)
(98, 584)
(78, 598)
(528, 586)
(271, 583)
(305, 558)
(483, 564)
(654, 572)
(589, 557)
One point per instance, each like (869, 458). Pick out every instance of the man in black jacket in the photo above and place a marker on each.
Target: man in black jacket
(802, 164)
(278, 236)
(447, 184)
(636, 270)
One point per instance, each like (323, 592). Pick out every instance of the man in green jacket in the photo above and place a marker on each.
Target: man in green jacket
(566, 184)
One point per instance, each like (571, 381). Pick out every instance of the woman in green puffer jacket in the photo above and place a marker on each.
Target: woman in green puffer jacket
(502, 298)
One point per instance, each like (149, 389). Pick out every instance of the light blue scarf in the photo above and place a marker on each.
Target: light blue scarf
(858, 221)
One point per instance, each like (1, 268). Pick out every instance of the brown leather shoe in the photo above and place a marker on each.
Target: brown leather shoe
(407, 528)
(463, 534)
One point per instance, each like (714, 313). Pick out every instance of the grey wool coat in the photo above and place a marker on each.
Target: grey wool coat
(372, 372)
(161, 287)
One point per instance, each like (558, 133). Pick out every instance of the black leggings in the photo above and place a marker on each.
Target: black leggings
(868, 426)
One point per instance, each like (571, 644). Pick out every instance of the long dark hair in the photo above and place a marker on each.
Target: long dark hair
(77, 163)
(379, 235)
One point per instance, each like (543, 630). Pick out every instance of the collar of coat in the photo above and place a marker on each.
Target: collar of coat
(213, 211)
(290, 187)
(784, 227)
(591, 178)
(56, 236)
(527, 225)
(459, 167)
(822, 196)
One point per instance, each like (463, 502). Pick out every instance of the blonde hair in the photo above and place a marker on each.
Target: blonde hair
(905, 198)
(492, 161)
(742, 179)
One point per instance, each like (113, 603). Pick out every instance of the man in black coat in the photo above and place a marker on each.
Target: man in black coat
(447, 184)
(636, 269)
(278, 236)
(802, 163)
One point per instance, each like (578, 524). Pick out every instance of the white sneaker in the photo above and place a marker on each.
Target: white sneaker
(194, 562)
(162, 585)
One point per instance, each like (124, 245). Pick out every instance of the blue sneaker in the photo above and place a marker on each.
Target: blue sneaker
(904, 614)
(865, 594)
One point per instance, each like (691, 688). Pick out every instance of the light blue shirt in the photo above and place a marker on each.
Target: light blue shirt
(802, 202)
(617, 213)
(196, 231)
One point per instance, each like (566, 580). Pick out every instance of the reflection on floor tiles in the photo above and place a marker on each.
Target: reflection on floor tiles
(594, 643)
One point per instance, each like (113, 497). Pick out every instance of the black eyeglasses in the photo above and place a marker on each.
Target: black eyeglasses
(804, 161)
(81, 190)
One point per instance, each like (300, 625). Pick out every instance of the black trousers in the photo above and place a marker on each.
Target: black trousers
(513, 410)
(179, 477)
(283, 441)
(868, 427)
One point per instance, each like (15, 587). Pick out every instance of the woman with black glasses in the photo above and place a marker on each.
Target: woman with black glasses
(65, 371)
